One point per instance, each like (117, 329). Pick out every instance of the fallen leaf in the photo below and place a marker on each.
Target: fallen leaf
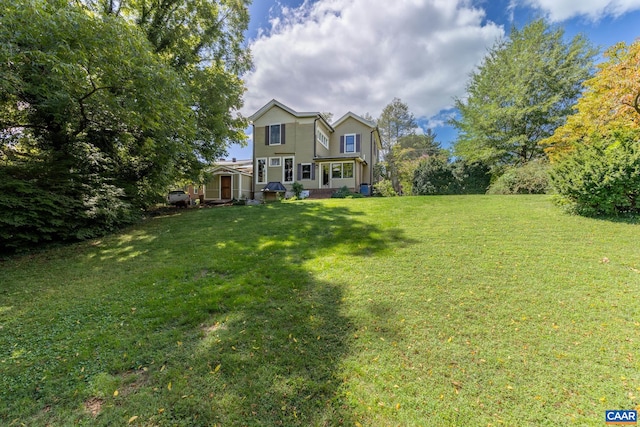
(169, 386)
(115, 393)
(132, 419)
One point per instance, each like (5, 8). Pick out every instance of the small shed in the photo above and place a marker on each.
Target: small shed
(273, 191)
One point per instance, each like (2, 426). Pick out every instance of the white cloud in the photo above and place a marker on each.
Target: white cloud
(357, 55)
(560, 10)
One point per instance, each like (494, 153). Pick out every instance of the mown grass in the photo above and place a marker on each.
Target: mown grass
(480, 310)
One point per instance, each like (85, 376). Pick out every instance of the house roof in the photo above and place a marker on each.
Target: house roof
(275, 103)
(320, 159)
(362, 120)
(244, 167)
(274, 187)
(356, 117)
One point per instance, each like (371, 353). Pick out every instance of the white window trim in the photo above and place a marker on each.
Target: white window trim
(353, 170)
(322, 138)
(331, 169)
(302, 165)
(279, 142)
(272, 164)
(293, 169)
(354, 142)
(258, 170)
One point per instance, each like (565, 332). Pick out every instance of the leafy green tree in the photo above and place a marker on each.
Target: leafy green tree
(434, 175)
(415, 146)
(471, 177)
(203, 41)
(524, 90)
(610, 103)
(596, 154)
(394, 123)
(101, 119)
(408, 152)
(77, 84)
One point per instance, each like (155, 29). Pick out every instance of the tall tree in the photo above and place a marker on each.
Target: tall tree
(95, 114)
(202, 40)
(596, 154)
(610, 103)
(408, 152)
(395, 122)
(523, 91)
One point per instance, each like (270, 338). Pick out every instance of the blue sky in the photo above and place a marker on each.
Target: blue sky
(357, 55)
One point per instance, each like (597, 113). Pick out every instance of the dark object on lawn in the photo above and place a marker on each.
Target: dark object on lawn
(274, 190)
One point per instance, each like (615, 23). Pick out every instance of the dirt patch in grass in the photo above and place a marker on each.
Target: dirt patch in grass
(209, 329)
(93, 406)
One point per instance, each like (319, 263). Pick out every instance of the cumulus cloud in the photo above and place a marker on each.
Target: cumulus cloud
(357, 55)
(561, 10)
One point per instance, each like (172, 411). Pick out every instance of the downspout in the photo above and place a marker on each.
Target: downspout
(371, 160)
(252, 187)
(315, 154)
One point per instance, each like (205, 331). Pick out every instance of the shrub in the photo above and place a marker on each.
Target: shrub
(297, 189)
(530, 178)
(600, 178)
(345, 193)
(384, 188)
(471, 178)
(49, 204)
(434, 175)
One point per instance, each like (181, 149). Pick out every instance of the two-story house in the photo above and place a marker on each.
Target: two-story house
(289, 146)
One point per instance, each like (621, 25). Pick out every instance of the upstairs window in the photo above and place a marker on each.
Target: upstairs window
(350, 143)
(322, 138)
(274, 134)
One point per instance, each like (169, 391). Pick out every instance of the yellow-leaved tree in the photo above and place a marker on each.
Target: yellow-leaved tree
(610, 103)
(596, 154)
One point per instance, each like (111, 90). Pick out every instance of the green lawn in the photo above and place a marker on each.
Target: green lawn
(433, 311)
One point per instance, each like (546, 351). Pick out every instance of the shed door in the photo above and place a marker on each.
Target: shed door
(225, 187)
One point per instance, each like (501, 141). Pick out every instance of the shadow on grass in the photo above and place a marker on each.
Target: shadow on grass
(210, 317)
(280, 342)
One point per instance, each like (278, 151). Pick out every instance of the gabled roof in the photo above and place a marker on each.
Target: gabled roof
(364, 121)
(218, 170)
(244, 167)
(356, 117)
(275, 103)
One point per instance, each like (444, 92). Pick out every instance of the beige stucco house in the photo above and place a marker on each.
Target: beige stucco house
(290, 146)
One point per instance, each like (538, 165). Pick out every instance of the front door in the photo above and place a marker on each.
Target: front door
(325, 175)
(225, 187)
